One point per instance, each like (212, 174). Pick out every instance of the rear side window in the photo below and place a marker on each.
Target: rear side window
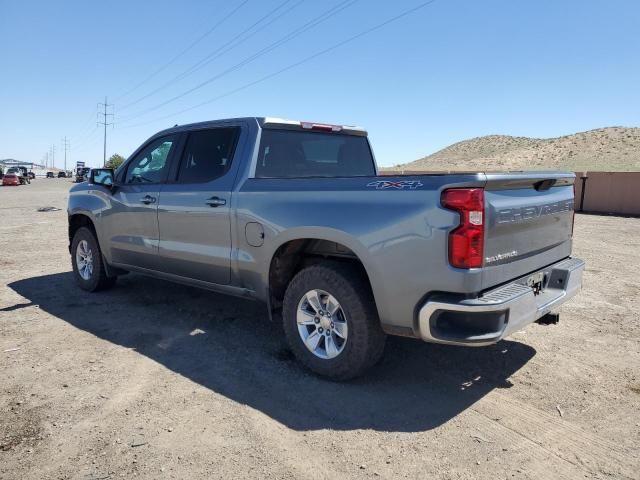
(295, 154)
(207, 154)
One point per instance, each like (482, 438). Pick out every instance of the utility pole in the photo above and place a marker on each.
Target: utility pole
(105, 114)
(53, 156)
(65, 145)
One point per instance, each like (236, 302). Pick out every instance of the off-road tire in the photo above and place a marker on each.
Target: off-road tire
(365, 341)
(98, 280)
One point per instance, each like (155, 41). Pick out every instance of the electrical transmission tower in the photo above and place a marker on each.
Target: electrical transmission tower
(66, 145)
(103, 111)
(53, 157)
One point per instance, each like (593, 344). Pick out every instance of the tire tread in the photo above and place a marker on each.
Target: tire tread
(351, 287)
(100, 280)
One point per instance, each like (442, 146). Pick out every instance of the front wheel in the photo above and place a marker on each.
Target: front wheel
(331, 322)
(88, 266)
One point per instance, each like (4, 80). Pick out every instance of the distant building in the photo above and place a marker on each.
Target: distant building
(12, 162)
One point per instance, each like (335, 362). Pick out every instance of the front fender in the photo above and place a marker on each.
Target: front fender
(83, 201)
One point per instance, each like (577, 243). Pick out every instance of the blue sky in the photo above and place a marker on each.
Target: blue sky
(452, 70)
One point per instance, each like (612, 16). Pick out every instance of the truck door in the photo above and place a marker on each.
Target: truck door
(194, 210)
(131, 224)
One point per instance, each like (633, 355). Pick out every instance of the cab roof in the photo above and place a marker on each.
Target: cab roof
(270, 122)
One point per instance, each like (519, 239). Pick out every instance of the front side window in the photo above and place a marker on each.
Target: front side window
(292, 153)
(207, 154)
(150, 164)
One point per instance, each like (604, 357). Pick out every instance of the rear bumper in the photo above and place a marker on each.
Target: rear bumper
(501, 311)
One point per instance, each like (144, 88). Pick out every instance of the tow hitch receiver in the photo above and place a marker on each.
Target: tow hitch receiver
(549, 319)
(536, 282)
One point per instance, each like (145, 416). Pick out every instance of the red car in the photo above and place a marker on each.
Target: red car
(10, 179)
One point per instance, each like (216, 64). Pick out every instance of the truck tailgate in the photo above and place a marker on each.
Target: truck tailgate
(529, 222)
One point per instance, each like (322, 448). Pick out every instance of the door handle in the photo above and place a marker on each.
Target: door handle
(147, 199)
(216, 202)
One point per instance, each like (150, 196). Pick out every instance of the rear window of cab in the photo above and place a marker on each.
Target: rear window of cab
(297, 154)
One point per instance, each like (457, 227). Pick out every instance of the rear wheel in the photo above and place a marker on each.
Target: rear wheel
(88, 266)
(331, 322)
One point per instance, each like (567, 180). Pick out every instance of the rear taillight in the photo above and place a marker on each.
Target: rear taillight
(466, 241)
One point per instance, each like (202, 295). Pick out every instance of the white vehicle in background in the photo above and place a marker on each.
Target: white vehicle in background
(82, 174)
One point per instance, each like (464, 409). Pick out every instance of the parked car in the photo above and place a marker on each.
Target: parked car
(11, 179)
(294, 215)
(62, 174)
(21, 173)
(50, 175)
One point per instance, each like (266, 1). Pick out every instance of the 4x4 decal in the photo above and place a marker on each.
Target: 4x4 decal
(398, 185)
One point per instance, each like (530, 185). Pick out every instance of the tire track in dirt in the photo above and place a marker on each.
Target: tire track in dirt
(554, 438)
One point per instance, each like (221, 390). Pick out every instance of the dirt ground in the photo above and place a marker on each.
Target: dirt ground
(156, 380)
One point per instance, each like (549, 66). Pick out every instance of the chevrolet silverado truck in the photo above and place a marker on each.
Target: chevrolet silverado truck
(294, 215)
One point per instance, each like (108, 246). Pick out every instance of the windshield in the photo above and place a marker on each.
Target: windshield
(295, 154)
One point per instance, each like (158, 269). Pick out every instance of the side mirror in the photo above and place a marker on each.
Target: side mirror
(102, 176)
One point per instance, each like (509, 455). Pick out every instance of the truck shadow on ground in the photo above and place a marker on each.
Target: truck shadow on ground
(229, 346)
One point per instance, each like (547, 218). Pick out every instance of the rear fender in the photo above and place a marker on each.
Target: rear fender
(327, 234)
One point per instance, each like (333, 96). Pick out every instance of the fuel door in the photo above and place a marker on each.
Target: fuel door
(254, 233)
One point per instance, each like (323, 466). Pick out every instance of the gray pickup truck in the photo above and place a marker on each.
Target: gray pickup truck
(294, 215)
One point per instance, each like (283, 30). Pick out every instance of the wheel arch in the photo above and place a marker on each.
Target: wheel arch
(296, 252)
(77, 221)
(83, 219)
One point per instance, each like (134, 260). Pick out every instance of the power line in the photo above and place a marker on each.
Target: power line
(185, 50)
(52, 149)
(88, 147)
(217, 52)
(88, 135)
(83, 134)
(83, 130)
(290, 36)
(80, 146)
(105, 114)
(66, 145)
(296, 64)
(222, 49)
